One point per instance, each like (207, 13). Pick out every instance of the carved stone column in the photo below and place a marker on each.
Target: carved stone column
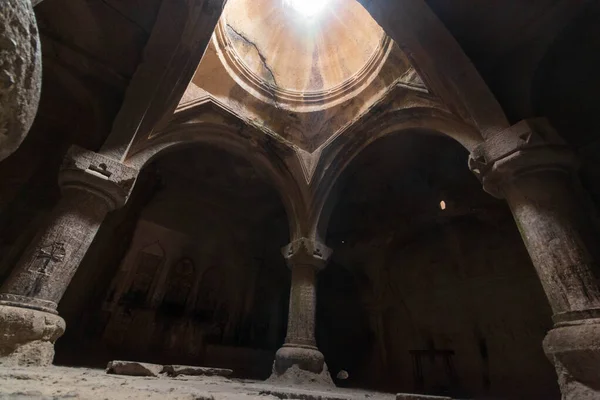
(305, 258)
(91, 185)
(531, 167)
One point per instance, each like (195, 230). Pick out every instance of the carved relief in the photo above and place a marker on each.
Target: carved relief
(46, 258)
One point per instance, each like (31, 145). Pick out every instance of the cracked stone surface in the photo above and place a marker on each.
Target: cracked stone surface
(300, 64)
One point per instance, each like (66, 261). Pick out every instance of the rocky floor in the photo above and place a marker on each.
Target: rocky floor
(80, 383)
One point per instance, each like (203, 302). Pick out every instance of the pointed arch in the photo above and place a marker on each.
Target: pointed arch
(340, 152)
(272, 158)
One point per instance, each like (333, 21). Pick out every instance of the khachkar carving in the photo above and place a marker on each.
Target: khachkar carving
(305, 257)
(47, 256)
(91, 185)
(532, 168)
(20, 73)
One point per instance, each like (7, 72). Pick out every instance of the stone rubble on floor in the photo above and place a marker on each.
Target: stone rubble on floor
(403, 396)
(176, 370)
(135, 368)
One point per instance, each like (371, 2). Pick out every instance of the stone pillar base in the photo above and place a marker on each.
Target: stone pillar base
(574, 349)
(300, 365)
(27, 336)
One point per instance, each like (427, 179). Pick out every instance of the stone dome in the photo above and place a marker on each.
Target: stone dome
(301, 62)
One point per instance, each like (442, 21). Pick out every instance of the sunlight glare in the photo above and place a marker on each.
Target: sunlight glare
(308, 8)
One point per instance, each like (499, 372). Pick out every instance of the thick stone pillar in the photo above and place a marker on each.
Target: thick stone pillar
(20, 73)
(305, 258)
(531, 167)
(91, 185)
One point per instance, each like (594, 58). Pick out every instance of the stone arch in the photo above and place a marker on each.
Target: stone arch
(341, 151)
(269, 157)
(387, 211)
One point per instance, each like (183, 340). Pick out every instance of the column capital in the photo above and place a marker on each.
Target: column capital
(306, 251)
(107, 178)
(531, 145)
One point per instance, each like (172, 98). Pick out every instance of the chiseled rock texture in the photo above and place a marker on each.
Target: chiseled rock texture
(27, 336)
(403, 396)
(20, 73)
(133, 368)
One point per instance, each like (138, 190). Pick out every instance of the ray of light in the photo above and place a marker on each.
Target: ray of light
(308, 8)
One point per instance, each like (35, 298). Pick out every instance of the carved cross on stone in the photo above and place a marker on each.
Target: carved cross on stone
(45, 255)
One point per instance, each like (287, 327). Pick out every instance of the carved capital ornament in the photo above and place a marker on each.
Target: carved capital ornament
(306, 252)
(529, 146)
(109, 179)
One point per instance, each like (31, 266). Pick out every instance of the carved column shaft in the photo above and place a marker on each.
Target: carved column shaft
(305, 258)
(44, 271)
(555, 227)
(531, 167)
(303, 304)
(92, 185)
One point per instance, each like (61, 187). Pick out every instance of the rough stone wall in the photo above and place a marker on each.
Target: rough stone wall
(451, 288)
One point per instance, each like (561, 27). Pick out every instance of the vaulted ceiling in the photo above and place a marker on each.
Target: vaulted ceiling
(537, 57)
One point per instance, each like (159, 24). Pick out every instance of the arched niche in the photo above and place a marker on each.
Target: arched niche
(271, 158)
(425, 296)
(340, 153)
(220, 295)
